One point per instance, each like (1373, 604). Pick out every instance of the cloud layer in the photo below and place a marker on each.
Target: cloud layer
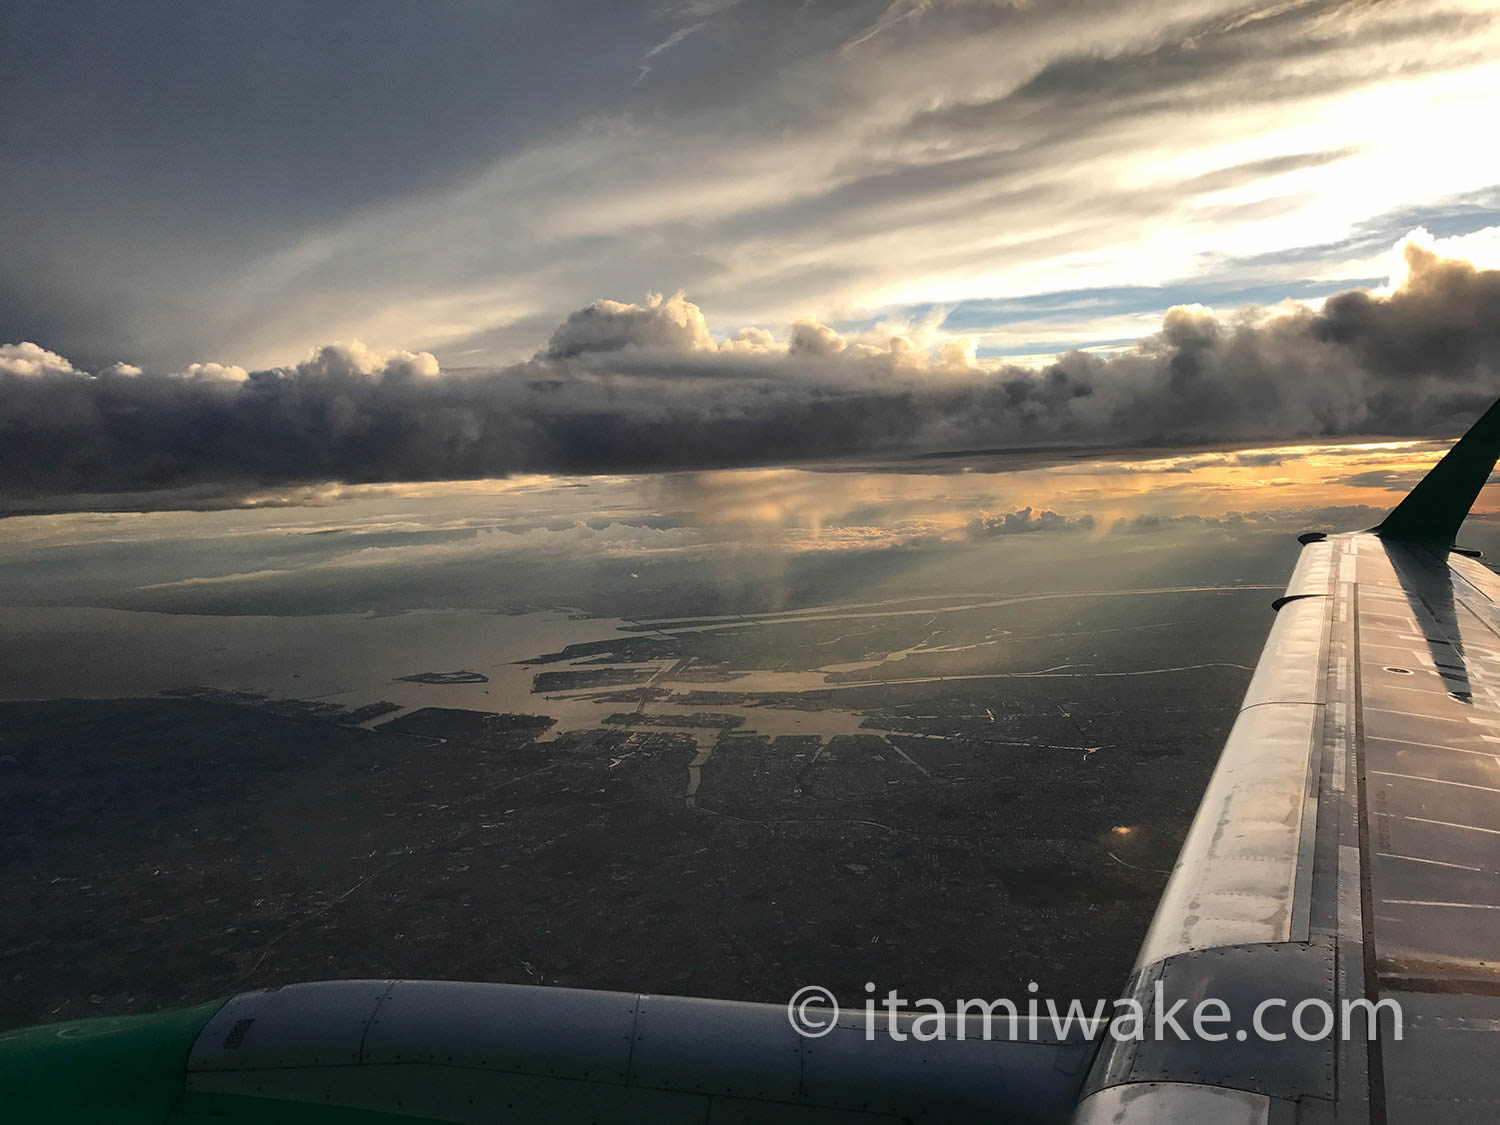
(627, 387)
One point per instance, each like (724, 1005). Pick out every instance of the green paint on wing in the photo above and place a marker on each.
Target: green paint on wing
(125, 1070)
(130, 1070)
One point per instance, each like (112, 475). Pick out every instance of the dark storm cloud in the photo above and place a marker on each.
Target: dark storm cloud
(637, 387)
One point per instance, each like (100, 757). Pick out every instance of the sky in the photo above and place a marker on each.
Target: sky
(251, 244)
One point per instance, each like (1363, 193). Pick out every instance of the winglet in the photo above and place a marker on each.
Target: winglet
(1434, 509)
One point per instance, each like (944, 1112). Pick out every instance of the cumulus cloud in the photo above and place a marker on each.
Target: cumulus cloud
(354, 360)
(750, 341)
(226, 371)
(28, 360)
(627, 387)
(1024, 520)
(670, 324)
(959, 355)
(811, 338)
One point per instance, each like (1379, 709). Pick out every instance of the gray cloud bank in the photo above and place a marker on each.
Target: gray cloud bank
(1279, 519)
(639, 387)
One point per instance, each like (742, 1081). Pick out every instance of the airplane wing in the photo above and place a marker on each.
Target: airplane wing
(1344, 860)
(1347, 848)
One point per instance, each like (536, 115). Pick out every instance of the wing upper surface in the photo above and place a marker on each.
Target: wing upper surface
(1353, 822)
(1429, 706)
